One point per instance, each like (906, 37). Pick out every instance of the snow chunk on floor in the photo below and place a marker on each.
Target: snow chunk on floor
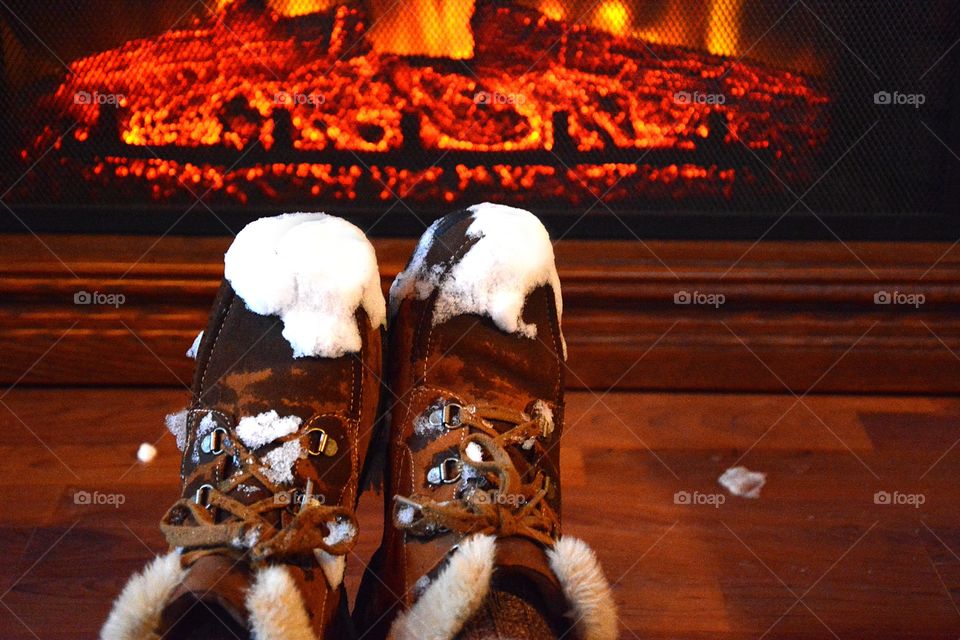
(177, 425)
(314, 271)
(256, 431)
(146, 453)
(279, 462)
(740, 481)
(192, 351)
(511, 257)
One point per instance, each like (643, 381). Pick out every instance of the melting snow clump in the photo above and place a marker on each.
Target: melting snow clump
(512, 255)
(192, 351)
(405, 514)
(279, 462)
(543, 409)
(740, 481)
(256, 431)
(312, 270)
(474, 452)
(207, 424)
(146, 453)
(177, 425)
(340, 532)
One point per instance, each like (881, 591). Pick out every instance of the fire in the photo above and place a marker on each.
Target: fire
(713, 25)
(315, 108)
(612, 16)
(723, 27)
(287, 8)
(295, 8)
(435, 28)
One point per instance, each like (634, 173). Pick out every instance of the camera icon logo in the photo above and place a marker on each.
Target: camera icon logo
(82, 497)
(681, 497)
(882, 297)
(682, 297)
(882, 97)
(82, 297)
(482, 97)
(881, 497)
(682, 97)
(82, 97)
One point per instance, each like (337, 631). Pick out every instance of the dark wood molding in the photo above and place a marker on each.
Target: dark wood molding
(799, 315)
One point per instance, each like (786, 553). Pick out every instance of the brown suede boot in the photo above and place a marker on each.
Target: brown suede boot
(284, 399)
(472, 545)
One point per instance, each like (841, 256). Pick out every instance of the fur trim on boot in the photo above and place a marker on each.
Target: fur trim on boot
(458, 592)
(276, 607)
(136, 612)
(593, 612)
(453, 597)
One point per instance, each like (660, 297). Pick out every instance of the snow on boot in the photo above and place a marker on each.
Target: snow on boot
(472, 547)
(284, 400)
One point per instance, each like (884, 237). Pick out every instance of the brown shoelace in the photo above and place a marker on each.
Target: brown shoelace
(510, 507)
(196, 524)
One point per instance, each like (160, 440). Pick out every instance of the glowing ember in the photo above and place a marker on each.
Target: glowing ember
(255, 105)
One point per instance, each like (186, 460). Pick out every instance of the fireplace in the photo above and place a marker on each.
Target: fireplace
(671, 117)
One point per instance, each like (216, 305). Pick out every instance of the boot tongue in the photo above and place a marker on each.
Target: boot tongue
(215, 587)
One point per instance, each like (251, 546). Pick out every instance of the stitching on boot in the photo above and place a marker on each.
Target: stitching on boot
(213, 347)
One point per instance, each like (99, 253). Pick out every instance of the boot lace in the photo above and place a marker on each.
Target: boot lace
(212, 521)
(494, 499)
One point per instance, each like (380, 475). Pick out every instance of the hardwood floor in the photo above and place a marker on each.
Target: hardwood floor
(814, 557)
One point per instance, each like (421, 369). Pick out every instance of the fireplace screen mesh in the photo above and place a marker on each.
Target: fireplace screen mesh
(666, 105)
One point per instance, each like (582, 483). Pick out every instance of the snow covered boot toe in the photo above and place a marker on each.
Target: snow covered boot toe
(285, 396)
(472, 545)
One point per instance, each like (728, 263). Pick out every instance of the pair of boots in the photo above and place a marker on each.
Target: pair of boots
(290, 382)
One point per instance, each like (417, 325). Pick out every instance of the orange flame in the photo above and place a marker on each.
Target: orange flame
(435, 28)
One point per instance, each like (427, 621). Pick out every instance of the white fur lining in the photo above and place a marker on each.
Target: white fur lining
(593, 611)
(453, 597)
(136, 612)
(457, 593)
(276, 607)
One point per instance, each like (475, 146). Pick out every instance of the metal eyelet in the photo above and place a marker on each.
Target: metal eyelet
(213, 441)
(325, 444)
(448, 416)
(202, 496)
(447, 472)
